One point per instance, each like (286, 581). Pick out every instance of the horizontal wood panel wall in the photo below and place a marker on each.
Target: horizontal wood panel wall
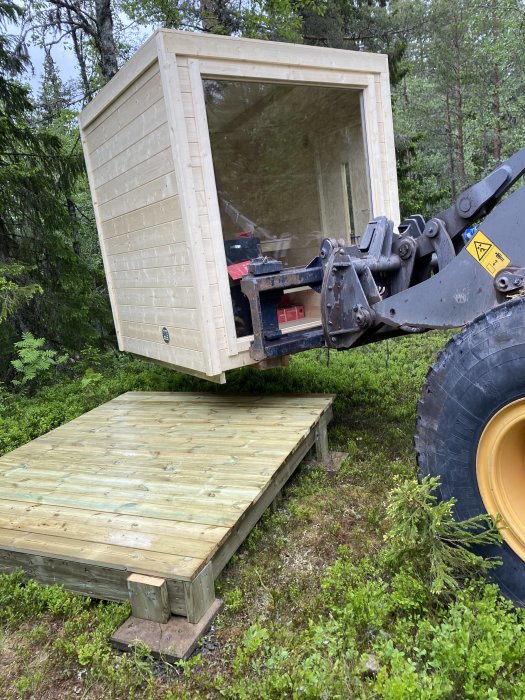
(139, 210)
(149, 160)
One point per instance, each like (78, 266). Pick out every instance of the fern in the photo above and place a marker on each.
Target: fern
(33, 360)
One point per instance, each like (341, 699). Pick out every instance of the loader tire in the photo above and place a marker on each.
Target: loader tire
(471, 432)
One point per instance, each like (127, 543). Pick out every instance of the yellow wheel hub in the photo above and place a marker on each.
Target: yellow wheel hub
(500, 469)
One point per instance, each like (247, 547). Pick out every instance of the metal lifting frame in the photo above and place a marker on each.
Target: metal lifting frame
(418, 278)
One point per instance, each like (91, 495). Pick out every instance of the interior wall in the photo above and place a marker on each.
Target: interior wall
(286, 159)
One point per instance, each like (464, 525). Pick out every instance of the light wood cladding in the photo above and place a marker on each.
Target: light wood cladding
(150, 164)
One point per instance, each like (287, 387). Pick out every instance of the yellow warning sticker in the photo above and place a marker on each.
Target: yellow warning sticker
(487, 254)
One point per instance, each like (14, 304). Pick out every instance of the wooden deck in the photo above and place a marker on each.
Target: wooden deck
(162, 484)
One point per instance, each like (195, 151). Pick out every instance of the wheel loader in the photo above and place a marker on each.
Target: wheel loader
(462, 269)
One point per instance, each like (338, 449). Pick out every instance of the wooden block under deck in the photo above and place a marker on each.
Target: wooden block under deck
(149, 598)
(177, 639)
(160, 485)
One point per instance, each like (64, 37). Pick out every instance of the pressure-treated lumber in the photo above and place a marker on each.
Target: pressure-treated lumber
(149, 598)
(156, 181)
(151, 486)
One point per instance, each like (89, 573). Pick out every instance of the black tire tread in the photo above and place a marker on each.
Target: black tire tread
(479, 370)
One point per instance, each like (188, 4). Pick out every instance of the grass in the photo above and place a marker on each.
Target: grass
(314, 608)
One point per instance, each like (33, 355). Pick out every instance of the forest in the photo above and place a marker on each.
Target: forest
(360, 583)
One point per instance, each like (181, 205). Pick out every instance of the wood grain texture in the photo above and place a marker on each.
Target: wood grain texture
(128, 74)
(151, 172)
(149, 598)
(180, 138)
(148, 122)
(202, 163)
(158, 484)
(147, 147)
(145, 91)
(254, 51)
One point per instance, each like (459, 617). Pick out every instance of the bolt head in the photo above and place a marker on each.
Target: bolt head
(465, 204)
(432, 229)
(404, 251)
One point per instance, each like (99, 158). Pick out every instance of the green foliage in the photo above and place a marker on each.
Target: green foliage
(22, 601)
(474, 651)
(33, 360)
(375, 634)
(91, 379)
(234, 599)
(376, 637)
(48, 251)
(379, 27)
(14, 294)
(28, 684)
(417, 194)
(261, 19)
(84, 640)
(425, 539)
(464, 66)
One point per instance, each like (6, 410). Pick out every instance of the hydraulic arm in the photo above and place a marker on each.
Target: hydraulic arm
(427, 274)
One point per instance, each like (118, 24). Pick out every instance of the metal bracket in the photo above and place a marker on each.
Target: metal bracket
(341, 293)
(264, 289)
(441, 242)
(478, 200)
(511, 279)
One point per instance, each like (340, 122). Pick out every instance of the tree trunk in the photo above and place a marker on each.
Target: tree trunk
(208, 12)
(99, 28)
(458, 104)
(496, 112)
(105, 39)
(450, 151)
(495, 81)
(81, 60)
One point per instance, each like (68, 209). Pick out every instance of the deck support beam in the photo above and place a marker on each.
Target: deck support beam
(199, 594)
(321, 440)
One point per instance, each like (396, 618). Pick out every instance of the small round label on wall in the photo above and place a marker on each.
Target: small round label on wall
(165, 335)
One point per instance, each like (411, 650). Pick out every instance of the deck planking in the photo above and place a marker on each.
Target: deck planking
(159, 484)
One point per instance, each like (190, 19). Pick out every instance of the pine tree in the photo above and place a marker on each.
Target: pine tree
(38, 234)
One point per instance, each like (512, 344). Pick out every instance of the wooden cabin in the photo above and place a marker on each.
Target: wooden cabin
(205, 151)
